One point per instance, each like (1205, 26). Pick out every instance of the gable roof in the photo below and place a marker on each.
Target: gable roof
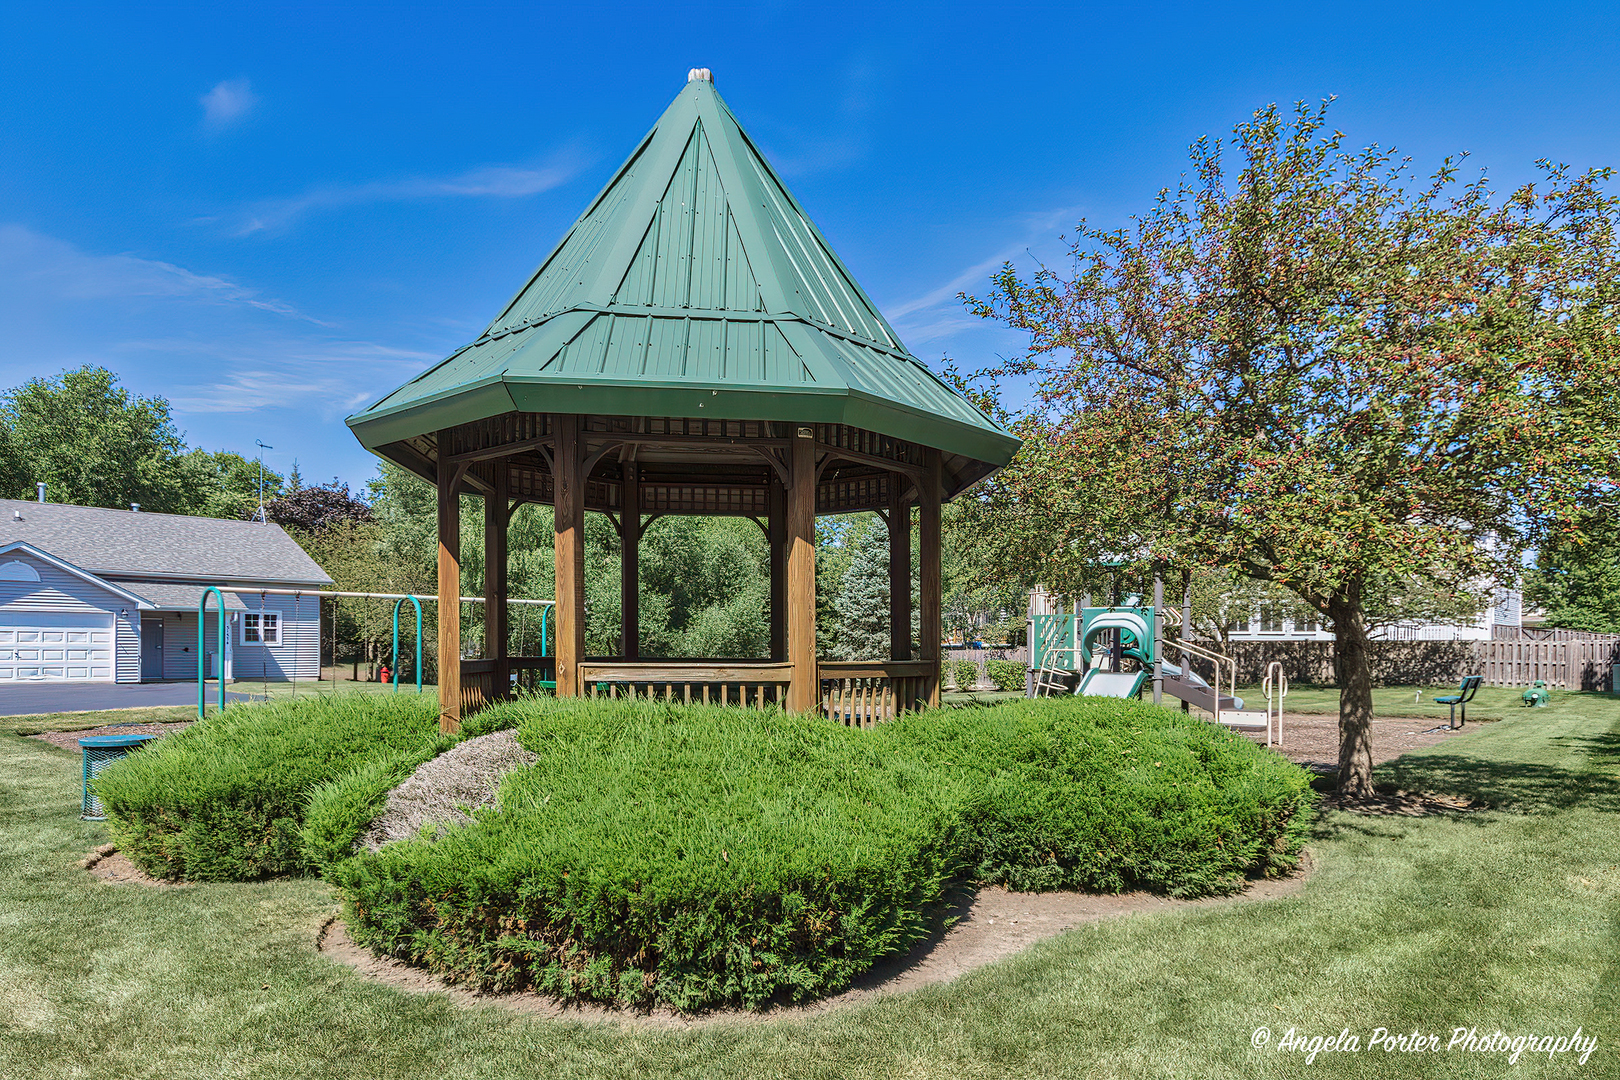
(693, 280)
(117, 589)
(124, 543)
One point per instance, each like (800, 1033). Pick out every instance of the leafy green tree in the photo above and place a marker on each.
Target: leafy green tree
(227, 484)
(1319, 372)
(1577, 577)
(862, 601)
(95, 444)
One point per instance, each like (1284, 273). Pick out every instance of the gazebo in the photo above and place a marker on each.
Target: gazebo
(692, 346)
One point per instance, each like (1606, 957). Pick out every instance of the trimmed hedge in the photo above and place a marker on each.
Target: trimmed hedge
(1006, 674)
(706, 856)
(964, 673)
(689, 855)
(224, 800)
(1107, 795)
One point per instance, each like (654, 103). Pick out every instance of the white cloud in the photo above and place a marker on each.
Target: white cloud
(486, 181)
(227, 103)
(31, 262)
(938, 313)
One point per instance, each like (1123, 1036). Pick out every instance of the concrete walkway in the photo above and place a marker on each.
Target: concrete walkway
(32, 699)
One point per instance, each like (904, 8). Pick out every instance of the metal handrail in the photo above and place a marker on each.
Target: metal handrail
(1274, 680)
(1216, 659)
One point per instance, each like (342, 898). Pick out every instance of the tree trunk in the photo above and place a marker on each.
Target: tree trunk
(1352, 662)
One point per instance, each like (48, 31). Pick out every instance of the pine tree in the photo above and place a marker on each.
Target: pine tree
(863, 598)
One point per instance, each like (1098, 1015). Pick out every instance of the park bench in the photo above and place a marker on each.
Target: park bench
(1465, 693)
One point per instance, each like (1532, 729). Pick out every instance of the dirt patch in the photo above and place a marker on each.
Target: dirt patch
(110, 865)
(990, 925)
(440, 791)
(1312, 739)
(69, 740)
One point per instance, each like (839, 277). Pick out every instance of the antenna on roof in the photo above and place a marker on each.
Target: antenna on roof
(263, 446)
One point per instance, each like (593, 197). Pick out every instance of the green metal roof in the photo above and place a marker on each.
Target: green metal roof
(693, 285)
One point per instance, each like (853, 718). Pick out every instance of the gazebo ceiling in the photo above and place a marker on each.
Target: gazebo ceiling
(694, 286)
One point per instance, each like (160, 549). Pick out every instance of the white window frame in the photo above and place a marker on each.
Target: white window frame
(271, 621)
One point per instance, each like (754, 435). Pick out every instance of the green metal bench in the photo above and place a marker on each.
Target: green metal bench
(1465, 693)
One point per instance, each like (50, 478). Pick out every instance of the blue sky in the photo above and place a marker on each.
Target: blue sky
(273, 218)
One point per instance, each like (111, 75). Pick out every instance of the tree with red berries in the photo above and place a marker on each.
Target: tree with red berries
(1319, 371)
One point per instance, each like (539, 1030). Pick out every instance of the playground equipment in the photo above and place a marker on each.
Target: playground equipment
(202, 639)
(395, 653)
(1071, 658)
(1536, 696)
(1465, 693)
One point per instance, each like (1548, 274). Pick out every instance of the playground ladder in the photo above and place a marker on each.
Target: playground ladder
(1051, 679)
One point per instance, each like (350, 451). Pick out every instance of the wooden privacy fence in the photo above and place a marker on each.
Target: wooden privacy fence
(1569, 663)
(1565, 659)
(861, 693)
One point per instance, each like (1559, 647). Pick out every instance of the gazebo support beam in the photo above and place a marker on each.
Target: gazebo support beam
(776, 519)
(570, 555)
(449, 595)
(899, 574)
(497, 517)
(801, 575)
(630, 563)
(930, 626)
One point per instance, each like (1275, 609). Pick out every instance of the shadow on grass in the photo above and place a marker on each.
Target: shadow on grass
(1525, 787)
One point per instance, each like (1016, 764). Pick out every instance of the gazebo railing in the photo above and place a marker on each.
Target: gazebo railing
(860, 693)
(757, 685)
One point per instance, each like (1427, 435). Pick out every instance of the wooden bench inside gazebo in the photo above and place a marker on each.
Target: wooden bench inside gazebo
(691, 347)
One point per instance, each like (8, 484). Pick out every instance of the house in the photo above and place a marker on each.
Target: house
(1503, 617)
(88, 594)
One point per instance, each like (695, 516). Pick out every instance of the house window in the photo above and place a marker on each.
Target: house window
(1307, 624)
(1271, 620)
(261, 628)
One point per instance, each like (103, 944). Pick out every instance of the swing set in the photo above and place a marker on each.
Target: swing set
(222, 659)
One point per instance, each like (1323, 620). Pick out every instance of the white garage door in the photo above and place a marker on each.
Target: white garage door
(37, 646)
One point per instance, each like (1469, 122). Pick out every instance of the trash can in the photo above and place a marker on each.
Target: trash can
(101, 751)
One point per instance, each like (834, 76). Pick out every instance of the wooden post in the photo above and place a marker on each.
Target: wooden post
(630, 563)
(930, 628)
(569, 549)
(899, 570)
(496, 519)
(801, 573)
(776, 521)
(449, 592)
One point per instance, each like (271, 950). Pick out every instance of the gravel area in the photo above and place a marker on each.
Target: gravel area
(69, 740)
(440, 792)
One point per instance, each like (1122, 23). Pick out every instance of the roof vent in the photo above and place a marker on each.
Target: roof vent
(134, 508)
(700, 75)
(40, 487)
(16, 515)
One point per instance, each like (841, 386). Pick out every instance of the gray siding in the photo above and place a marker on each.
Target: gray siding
(180, 642)
(127, 636)
(299, 654)
(56, 590)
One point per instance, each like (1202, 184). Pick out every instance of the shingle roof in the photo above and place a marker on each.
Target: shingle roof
(123, 543)
(694, 280)
(178, 597)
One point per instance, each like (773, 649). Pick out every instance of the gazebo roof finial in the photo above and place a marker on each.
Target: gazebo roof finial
(700, 75)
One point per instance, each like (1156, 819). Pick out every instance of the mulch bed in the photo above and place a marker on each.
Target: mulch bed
(69, 740)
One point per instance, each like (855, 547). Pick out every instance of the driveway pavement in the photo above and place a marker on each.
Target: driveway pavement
(31, 699)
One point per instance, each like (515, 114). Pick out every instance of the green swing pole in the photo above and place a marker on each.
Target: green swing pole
(418, 604)
(202, 641)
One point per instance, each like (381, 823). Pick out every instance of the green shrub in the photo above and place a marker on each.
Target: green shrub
(224, 800)
(690, 855)
(1006, 674)
(702, 856)
(965, 674)
(1107, 795)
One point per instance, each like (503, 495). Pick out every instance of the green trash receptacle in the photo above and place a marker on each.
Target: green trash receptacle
(101, 751)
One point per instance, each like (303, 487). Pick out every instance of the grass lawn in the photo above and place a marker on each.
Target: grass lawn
(279, 690)
(80, 721)
(1503, 919)
(1490, 703)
